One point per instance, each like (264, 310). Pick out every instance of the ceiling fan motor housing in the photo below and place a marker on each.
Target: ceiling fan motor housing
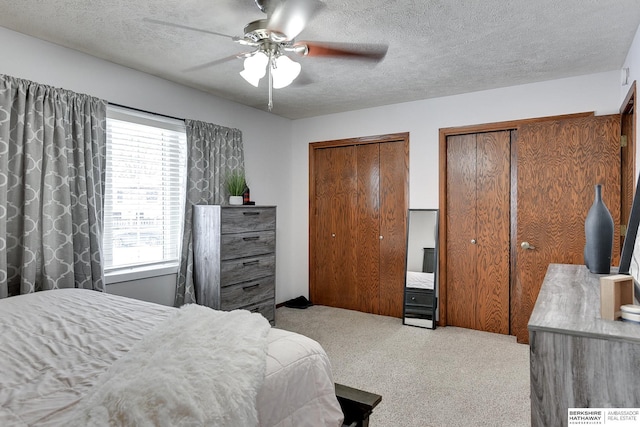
(257, 32)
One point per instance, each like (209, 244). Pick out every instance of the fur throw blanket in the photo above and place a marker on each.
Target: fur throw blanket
(200, 367)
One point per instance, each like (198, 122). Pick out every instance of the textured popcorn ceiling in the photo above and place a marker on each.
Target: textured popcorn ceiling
(436, 47)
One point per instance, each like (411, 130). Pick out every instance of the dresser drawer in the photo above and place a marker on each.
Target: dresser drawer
(246, 269)
(244, 219)
(248, 293)
(247, 244)
(423, 298)
(266, 308)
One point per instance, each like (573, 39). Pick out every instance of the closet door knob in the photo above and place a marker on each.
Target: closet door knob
(381, 237)
(473, 241)
(333, 235)
(526, 245)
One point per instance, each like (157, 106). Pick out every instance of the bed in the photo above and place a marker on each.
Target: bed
(63, 351)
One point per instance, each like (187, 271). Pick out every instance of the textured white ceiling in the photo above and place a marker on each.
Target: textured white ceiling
(436, 47)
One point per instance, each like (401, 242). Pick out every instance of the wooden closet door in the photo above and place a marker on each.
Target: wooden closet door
(461, 230)
(367, 282)
(493, 219)
(358, 219)
(478, 230)
(393, 225)
(336, 218)
(559, 163)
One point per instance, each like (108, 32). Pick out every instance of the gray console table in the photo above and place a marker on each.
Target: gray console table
(577, 359)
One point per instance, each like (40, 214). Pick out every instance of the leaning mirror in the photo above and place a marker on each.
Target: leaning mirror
(630, 258)
(421, 284)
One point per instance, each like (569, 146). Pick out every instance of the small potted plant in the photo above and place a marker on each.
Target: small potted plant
(236, 184)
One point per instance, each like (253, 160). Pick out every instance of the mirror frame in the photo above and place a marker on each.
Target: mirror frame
(630, 239)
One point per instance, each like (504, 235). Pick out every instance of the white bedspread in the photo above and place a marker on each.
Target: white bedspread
(55, 345)
(417, 279)
(216, 358)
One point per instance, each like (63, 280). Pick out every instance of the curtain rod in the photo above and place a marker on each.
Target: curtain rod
(145, 111)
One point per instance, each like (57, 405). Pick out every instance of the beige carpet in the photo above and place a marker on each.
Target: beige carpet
(443, 377)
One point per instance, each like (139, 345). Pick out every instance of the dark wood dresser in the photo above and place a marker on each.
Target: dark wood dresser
(234, 257)
(579, 360)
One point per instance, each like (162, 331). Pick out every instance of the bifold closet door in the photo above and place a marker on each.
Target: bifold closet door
(360, 216)
(336, 256)
(478, 230)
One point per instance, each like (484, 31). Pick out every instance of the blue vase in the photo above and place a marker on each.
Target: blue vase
(598, 231)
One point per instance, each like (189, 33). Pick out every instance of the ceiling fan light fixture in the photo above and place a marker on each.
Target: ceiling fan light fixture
(284, 71)
(255, 67)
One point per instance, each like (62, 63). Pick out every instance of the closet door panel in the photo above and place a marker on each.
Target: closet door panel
(336, 218)
(321, 249)
(493, 212)
(368, 221)
(394, 203)
(559, 163)
(461, 231)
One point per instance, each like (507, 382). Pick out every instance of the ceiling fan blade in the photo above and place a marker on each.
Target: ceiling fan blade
(364, 51)
(185, 27)
(216, 62)
(289, 17)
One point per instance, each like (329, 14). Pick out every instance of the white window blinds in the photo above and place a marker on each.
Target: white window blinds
(144, 189)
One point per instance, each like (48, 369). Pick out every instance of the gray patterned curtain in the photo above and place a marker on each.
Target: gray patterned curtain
(212, 153)
(52, 154)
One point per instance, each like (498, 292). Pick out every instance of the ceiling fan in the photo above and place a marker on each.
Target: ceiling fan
(272, 40)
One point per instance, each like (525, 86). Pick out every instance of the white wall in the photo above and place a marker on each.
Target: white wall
(423, 119)
(266, 137)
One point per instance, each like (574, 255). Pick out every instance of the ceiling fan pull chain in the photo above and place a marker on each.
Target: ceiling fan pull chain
(270, 66)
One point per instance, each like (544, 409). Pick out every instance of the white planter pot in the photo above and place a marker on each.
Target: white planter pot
(235, 200)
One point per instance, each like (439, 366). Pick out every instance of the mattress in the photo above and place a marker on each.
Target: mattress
(54, 346)
(419, 280)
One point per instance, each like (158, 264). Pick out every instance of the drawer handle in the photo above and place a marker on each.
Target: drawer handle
(413, 298)
(248, 288)
(249, 239)
(254, 262)
(251, 213)
(255, 310)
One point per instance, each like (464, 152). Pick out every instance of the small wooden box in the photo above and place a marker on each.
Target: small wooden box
(615, 291)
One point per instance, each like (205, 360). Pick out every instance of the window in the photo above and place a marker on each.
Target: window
(144, 192)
